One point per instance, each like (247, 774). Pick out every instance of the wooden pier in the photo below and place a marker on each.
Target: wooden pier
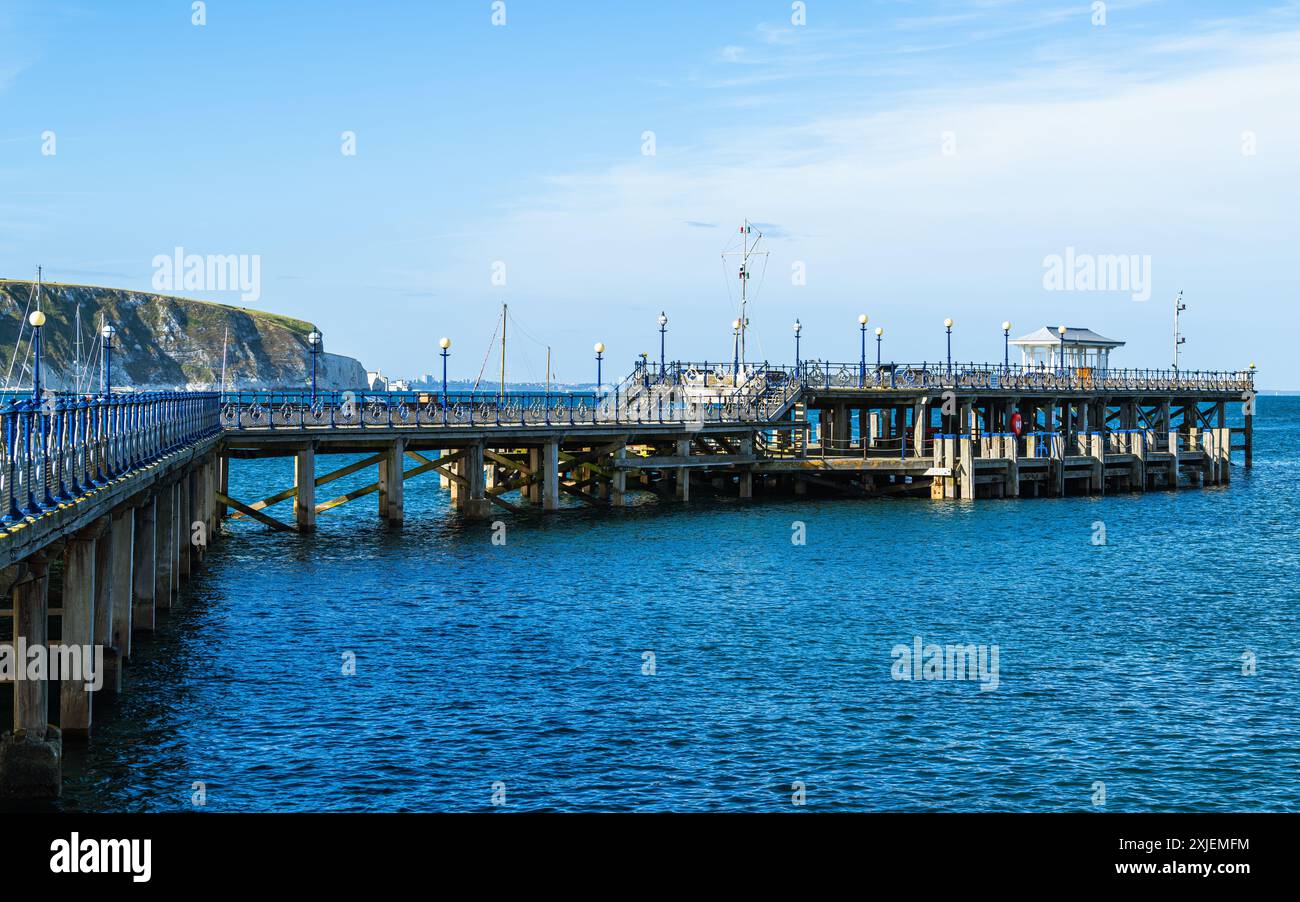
(112, 501)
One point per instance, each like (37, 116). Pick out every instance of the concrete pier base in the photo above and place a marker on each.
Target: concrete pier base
(144, 568)
(103, 633)
(31, 767)
(165, 541)
(551, 476)
(79, 630)
(475, 505)
(122, 578)
(618, 481)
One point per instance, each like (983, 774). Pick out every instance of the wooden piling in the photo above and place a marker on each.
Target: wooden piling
(304, 481)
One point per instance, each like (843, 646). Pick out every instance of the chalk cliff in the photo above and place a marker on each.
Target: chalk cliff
(163, 342)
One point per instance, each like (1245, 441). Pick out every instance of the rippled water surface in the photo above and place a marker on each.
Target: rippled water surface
(522, 663)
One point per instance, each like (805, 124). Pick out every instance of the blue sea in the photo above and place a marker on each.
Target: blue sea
(693, 658)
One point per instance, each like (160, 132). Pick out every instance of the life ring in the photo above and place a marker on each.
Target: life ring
(1016, 423)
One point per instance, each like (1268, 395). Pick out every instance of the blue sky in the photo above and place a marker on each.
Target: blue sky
(915, 160)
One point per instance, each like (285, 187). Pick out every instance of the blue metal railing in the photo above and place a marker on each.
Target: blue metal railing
(826, 375)
(60, 448)
(623, 405)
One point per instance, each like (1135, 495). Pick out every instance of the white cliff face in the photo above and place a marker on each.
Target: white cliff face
(164, 342)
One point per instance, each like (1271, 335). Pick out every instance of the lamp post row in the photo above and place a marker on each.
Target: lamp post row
(314, 339)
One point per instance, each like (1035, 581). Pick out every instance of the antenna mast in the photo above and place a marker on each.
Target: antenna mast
(1179, 307)
(746, 251)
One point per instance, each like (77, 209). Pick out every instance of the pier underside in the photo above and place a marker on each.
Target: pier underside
(827, 442)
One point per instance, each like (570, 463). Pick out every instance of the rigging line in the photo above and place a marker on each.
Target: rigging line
(731, 303)
(96, 352)
(527, 334)
(22, 327)
(528, 363)
(491, 343)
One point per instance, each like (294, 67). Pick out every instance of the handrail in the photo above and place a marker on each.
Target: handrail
(60, 448)
(827, 375)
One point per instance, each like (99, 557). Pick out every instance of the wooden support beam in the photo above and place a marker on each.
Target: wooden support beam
(353, 495)
(508, 462)
(320, 480)
(577, 492)
(224, 499)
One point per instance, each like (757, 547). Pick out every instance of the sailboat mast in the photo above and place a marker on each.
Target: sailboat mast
(504, 310)
(100, 332)
(224, 336)
(77, 348)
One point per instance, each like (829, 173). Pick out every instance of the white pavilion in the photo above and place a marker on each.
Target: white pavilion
(1081, 348)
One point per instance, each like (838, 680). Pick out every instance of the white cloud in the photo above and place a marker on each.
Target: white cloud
(1083, 156)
